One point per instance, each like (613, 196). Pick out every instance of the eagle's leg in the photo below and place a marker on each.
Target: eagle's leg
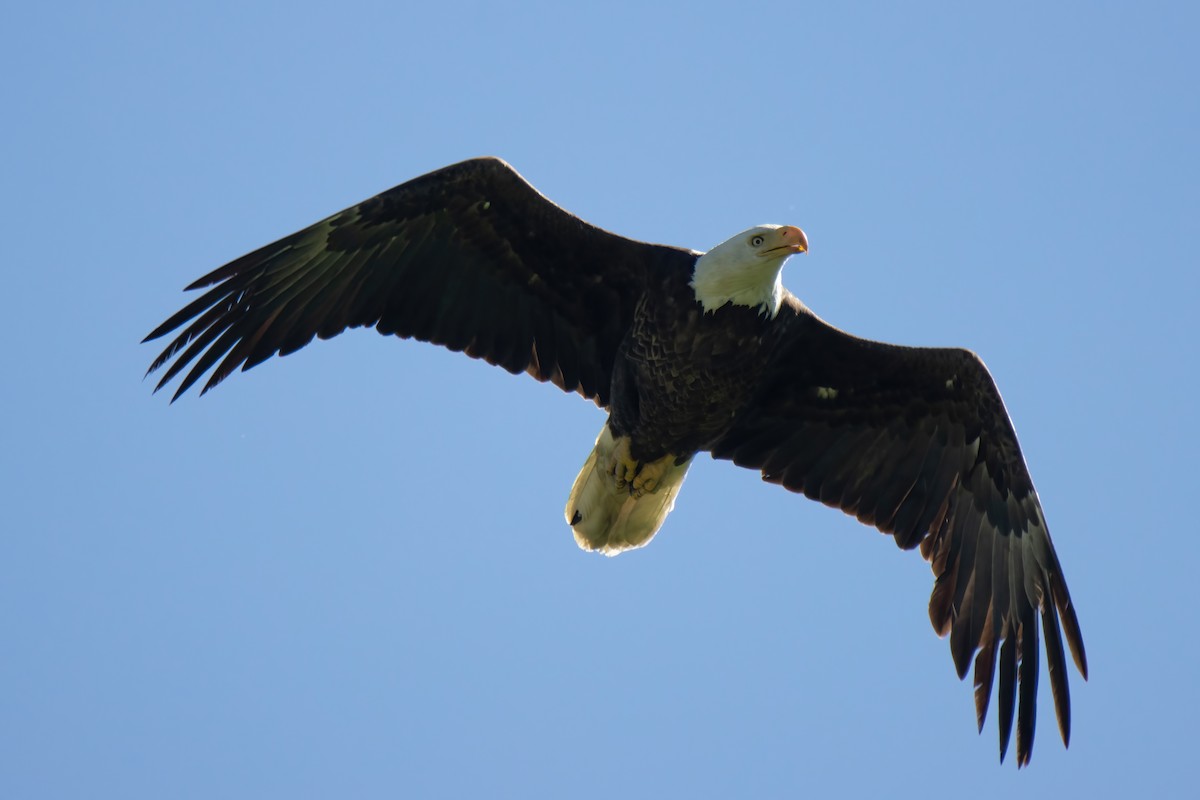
(640, 478)
(622, 466)
(650, 474)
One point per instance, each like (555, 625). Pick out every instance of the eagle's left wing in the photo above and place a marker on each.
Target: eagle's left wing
(916, 441)
(470, 256)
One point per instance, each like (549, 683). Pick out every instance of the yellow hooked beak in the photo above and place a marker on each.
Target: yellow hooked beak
(794, 240)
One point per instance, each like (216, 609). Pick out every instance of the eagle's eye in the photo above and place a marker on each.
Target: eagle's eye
(757, 241)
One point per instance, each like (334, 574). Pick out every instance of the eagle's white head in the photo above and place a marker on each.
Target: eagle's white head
(745, 270)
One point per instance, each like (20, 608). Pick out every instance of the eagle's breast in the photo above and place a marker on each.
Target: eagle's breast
(691, 371)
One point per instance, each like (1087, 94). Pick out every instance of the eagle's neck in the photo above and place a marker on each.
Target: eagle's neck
(717, 281)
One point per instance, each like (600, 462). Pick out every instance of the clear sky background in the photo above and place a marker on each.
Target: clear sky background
(346, 573)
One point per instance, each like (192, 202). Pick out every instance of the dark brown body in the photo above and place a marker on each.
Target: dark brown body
(681, 374)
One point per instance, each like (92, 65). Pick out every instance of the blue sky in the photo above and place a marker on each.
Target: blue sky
(345, 573)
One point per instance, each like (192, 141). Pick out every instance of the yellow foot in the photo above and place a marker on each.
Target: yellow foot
(622, 467)
(649, 476)
(640, 479)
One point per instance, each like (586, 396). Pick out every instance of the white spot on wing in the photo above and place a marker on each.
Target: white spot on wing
(826, 393)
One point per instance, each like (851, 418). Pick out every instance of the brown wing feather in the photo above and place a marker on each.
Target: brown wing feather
(470, 256)
(917, 442)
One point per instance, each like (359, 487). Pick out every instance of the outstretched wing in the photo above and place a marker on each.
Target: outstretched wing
(470, 256)
(917, 442)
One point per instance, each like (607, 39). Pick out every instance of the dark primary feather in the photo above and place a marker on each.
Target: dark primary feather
(470, 256)
(916, 441)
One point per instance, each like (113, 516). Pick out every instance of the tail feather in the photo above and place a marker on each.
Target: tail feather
(608, 518)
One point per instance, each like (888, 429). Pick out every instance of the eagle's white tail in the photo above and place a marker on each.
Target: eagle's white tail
(609, 519)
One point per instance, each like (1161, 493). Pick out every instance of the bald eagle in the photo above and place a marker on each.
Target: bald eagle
(689, 352)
